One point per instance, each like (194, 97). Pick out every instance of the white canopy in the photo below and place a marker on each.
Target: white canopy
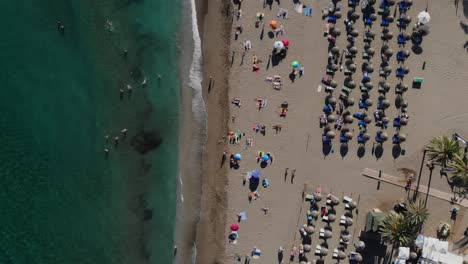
(403, 253)
(434, 250)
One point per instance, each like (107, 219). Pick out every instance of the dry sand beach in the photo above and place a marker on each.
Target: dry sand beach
(439, 107)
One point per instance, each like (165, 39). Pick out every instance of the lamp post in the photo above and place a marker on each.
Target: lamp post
(419, 177)
(457, 137)
(431, 166)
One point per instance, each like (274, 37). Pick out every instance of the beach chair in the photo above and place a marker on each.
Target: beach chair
(384, 4)
(362, 103)
(396, 139)
(401, 39)
(366, 78)
(358, 115)
(327, 109)
(400, 72)
(353, 3)
(400, 56)
(326, 140)
(382, 89)
(365, 55)
(343, 139)
(317, 250)
(383, 73)
(378, 138)
(322, 233)
(384, 23)
(397, 122)
(403, 6)
(360, 139)
(329, 89)
(332, 19)
(325, 218)
(401, 23)
(335, 253)
(363, 89)
(368, 21)
(362, 124)
(347, 199)
(343, 220)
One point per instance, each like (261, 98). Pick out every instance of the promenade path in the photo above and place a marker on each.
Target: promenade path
(402, 183)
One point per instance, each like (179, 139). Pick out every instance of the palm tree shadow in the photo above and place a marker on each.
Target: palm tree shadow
(361, 152)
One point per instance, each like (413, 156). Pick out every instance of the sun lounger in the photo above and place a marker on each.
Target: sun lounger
(400, 56)
(345, 243)
(329, 89)
(343, 138)
(368, 21)
(317, 250)
(342, 220)
(385, 23)
(353, 3)
(332, 19)
(335, 253)
(347, 199)
(396, 122)
(378, 138)
(326, 140)
(360, 139)
(403, 6)
(401, 39)
(400, 72)
(396, 139)
(358, 115)
(322, 233)
(325, 218)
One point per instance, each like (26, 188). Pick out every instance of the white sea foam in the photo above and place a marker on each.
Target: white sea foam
(196, 74)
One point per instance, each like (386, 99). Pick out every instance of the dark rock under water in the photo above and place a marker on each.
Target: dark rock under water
(146, 141)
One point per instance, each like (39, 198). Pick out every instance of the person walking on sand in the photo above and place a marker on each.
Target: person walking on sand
(116, 141)
(223, 159)
(106, 152)
(293, 173)
(124, 133)
(130, 89)
(292, 253)
(286, 174)
(121, 94)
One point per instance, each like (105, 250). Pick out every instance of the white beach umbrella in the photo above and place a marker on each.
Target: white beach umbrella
(278, 45)
(424, 17)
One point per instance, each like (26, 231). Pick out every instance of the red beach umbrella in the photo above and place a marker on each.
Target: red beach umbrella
(286, 42)
(234, 227)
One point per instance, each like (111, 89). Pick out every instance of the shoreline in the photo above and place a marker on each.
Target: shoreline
(214, 26)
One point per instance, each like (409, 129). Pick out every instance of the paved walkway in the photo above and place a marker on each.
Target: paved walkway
(402, 183)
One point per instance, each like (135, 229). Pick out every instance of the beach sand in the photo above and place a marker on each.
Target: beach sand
(437, 108)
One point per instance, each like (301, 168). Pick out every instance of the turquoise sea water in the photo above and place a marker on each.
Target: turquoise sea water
(61, 199)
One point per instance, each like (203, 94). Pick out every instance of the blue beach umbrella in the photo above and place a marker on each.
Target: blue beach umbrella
(265, 158)
(256, 174)
(295, 64)
(238, 156)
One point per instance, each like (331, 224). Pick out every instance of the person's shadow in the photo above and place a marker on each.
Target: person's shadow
(292, 76)
(280, 257)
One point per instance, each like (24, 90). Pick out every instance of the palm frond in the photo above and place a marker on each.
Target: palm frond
(442, 150)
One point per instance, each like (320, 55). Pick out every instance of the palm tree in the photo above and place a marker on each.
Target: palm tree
(442, 150)
(395, 229)
(459, 166)
(459, 172)
(416, 214)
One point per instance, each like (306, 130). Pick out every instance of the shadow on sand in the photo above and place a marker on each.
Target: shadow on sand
(361, 151)
(396, 151)
(344, 150)
(379, 151)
